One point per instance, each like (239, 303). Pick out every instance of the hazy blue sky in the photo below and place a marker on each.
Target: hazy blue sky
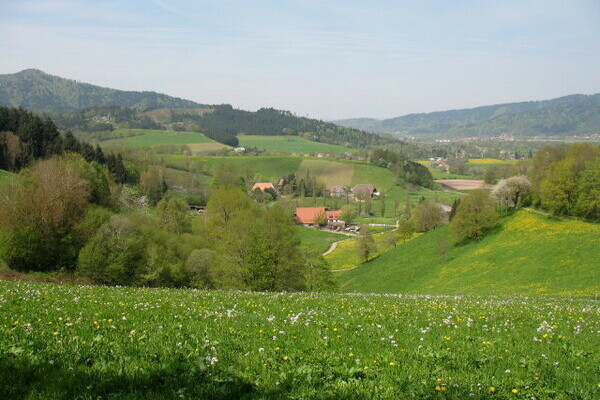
(326, 59)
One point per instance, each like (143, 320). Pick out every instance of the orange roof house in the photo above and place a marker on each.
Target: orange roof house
(334, 215)
(263, 186)
(308, 215)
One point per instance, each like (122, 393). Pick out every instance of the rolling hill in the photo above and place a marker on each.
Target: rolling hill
(570, 115)
(36, 90)
(89, 108)
(529, 254)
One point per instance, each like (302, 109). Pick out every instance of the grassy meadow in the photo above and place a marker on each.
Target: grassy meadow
(290, 145)
(89, 342)
(529, 254)
(317, 241)
(5, 174)
(197, 143)
(346, 255)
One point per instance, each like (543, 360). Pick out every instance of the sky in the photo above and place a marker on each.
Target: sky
(319, 58)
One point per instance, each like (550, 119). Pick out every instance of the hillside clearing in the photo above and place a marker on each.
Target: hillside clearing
(463, 184)
(290, 145)
(152, 137)
(331, 173)
(528, 255)
(317, 241)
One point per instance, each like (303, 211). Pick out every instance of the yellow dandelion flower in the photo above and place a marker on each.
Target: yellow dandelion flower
(492, 389)
(515, 391)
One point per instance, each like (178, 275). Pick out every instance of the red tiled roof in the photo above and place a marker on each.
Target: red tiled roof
(263, 186)
(334, 214)
(308, 215)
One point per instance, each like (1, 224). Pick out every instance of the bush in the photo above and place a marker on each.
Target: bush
(476, 215)
(115, 255)
(427, 216)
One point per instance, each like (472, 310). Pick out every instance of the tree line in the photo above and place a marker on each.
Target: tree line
(26, 137)
(65, 214)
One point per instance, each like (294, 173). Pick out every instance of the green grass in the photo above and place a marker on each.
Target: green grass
(259, 168)
(528, 255)
(346, 253)
(331, 173)
(5, 174)
(317, 241)
(153, 137)
(290, 145)
(490, 161)
(88, 342)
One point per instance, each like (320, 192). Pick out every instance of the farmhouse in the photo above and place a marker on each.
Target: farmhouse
(309, 215)
(364, 190)
(338, 191)
(262, 186)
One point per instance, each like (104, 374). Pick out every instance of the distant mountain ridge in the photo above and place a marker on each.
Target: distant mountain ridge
(564, 116)
(36, 90)
(88, 108)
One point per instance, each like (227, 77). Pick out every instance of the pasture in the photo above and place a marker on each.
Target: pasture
(346, 255)
(462, 184)
(317, 241)
(529, 254)
(89, 342)
(152, 137)
(490, 161)
(5, 174)
(290, 145)
(331, 173)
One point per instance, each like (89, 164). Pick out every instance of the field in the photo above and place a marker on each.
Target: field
(152, 138)
(290, 144)
(86, 342)
(331, 173)
(490, 161)
(198, 149)
(462, 184)
(317, 241)
(346, 255)
(528, 255)
(5, 174)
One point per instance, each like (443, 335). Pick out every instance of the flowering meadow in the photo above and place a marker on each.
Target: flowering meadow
(67, 342)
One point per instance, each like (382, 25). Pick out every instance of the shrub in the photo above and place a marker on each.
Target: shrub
(427, 216)
(476, 215)
(115, 255)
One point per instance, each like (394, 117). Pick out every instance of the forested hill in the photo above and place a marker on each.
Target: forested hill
(570, 115)
(35, 90)
(87, 108)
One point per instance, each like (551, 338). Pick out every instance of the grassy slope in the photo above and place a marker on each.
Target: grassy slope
(151, 137)
(66, 341)
(269, 169)
(529, 255)
(346, 253)
(314, 240)
(5, 174)
(331, 173)
(289, 144)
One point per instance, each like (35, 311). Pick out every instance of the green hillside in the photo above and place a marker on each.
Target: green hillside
(569, 115)
(290, 145)
(4, 174)
(155, 137)
(317, 241)
(33, 89)
(528, 255)
(90, 342)
(193, 142)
